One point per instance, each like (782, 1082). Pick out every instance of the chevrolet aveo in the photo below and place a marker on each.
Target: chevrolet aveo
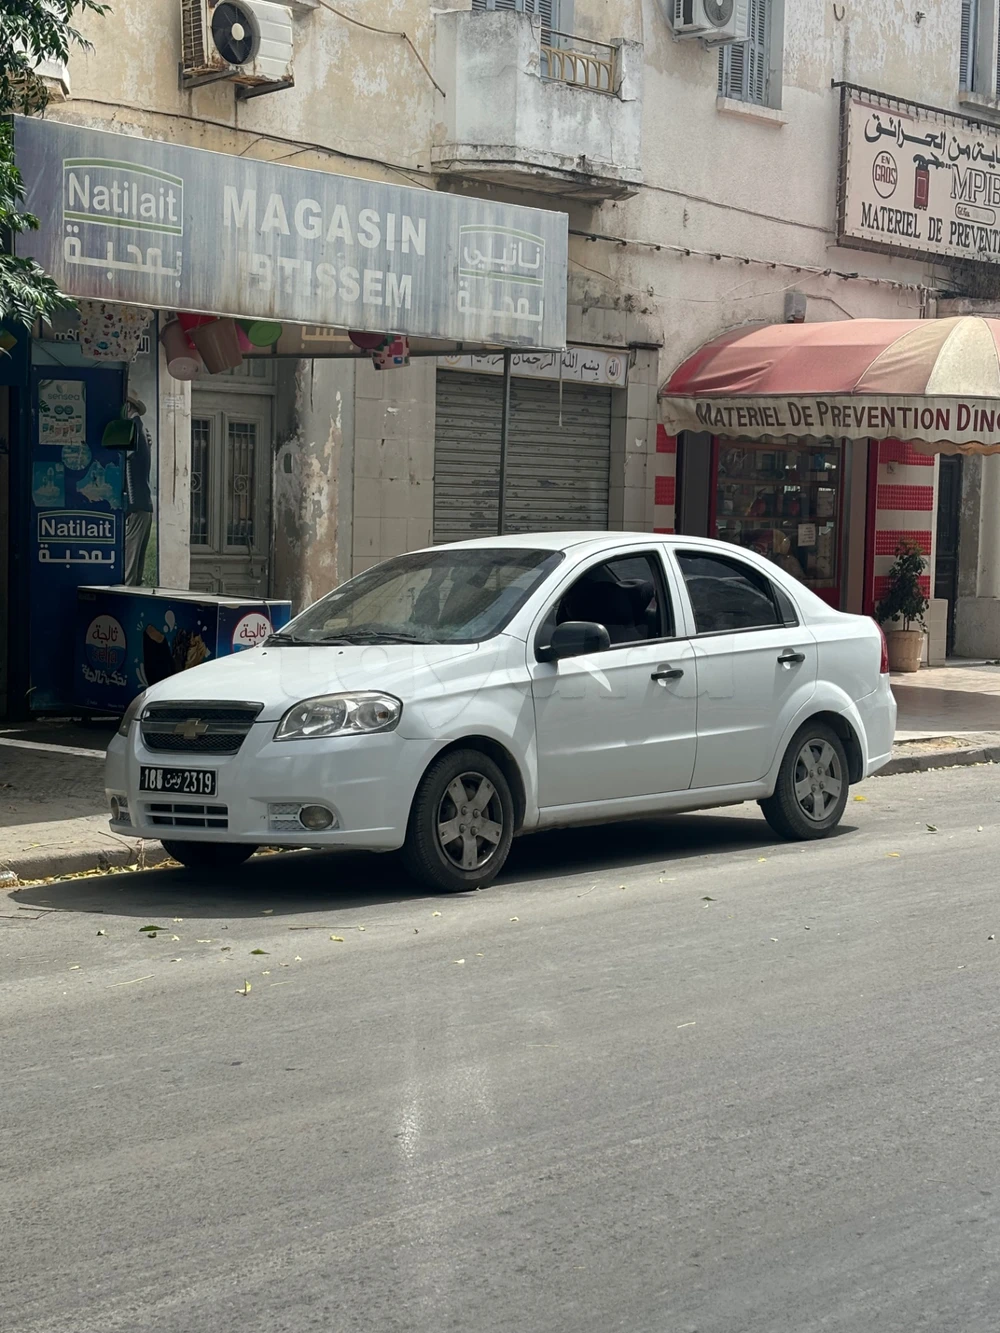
(449, 699)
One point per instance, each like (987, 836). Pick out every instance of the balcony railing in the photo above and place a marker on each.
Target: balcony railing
(594, 68)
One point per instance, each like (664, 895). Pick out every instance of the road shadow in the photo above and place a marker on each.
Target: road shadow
(300, 883)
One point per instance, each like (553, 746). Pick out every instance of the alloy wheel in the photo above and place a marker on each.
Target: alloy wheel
(470, 821)
(818, 779)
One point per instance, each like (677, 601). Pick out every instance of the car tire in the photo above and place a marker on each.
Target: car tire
(209, 855)
(444, 804)
(811, 792)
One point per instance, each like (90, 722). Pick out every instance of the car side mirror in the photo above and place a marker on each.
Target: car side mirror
(574, 638)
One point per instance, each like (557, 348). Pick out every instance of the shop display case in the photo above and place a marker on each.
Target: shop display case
(784, 503)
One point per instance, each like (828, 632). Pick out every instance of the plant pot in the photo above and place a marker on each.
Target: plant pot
(906, 647)
(183, 362)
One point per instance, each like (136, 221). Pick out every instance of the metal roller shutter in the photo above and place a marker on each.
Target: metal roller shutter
(557, 475)
(467, 456)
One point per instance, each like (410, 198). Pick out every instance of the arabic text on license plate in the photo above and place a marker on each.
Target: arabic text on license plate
(180, 781)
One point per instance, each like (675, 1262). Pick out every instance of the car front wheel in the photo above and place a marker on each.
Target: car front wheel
(209, 855)
(811, 791)
(462, 823)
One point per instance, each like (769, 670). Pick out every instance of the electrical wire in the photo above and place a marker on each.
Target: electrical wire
(385, 32)
(688, 251)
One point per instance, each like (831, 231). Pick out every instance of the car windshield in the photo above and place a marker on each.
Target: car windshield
(452, 595)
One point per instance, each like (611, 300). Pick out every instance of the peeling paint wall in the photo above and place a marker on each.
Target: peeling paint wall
(310, 479)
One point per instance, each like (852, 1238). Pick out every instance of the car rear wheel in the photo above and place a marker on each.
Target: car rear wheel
(462, 823)
(209, 855)
(811, 791)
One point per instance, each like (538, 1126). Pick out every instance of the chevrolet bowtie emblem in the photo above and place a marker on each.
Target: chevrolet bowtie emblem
(191, 729)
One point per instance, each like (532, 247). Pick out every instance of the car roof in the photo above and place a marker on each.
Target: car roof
(566, 541)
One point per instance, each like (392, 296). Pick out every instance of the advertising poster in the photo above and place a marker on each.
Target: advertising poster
(76, 529)
(62, 411)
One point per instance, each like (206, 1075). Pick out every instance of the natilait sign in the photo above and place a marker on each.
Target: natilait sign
(161, 225)
(919, 180)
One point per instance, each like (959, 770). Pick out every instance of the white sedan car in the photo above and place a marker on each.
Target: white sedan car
(449, 699)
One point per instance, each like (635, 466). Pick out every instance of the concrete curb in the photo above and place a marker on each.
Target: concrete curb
(922, 763)
(76, 860)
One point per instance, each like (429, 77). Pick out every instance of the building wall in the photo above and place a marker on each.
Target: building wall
(736, 208)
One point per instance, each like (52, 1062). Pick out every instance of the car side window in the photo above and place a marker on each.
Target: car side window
(627, 595)
(729, 595)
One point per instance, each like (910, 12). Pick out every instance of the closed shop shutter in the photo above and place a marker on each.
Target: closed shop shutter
(467, 456)
(557, 474)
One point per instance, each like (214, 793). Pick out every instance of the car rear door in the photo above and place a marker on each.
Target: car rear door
(756, 665)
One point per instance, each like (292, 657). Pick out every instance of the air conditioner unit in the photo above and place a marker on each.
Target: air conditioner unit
(248, 42)
(714, 22)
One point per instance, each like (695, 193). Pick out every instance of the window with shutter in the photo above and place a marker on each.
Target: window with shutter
(547, 10)
(967, 48)
(744, 67)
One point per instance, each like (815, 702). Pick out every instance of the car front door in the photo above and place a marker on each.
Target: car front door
(620, 723)
(756, 665)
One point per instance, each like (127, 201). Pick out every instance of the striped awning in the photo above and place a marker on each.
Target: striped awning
(935, 383)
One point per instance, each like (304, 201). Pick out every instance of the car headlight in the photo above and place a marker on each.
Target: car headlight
(130, 714)
(339, 715)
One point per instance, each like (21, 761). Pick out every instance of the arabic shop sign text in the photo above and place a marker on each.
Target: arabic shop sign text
(171, 227)
(921, 181)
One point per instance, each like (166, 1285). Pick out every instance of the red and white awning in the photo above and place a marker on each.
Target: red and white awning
(935, 383)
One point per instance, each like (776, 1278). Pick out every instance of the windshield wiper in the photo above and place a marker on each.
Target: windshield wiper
(374, 636)
(287, 641)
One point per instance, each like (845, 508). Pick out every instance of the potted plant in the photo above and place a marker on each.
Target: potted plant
(904, 604)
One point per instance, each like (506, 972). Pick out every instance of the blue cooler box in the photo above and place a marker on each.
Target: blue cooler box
(130, 638)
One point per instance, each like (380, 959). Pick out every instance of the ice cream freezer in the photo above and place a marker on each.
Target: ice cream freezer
(130, 638)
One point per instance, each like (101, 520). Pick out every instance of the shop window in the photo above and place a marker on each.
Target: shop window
(751, 71)
(783, 503)
(626, 596)
(979, 48)
(728, 595)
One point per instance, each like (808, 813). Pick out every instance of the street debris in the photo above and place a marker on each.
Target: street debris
(932, 828)
(245, 989)
(686, 1025)
(259, 952)
(152, 930)
(458, 961)
(134, 982)
(337, 939)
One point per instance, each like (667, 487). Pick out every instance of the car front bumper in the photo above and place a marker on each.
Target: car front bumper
(367, 782)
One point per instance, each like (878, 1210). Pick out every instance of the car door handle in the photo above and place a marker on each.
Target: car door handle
(667, 673)
(791, 659)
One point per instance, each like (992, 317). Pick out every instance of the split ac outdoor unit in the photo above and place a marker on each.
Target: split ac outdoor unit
(714, 22)
(248, 42)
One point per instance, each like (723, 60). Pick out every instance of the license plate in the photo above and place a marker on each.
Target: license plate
(178, 781)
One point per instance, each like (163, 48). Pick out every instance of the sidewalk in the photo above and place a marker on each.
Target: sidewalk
(53, 813)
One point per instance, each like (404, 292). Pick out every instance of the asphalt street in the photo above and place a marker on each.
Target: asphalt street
(662, 1077)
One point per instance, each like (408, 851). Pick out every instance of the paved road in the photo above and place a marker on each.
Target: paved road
(663, 1077)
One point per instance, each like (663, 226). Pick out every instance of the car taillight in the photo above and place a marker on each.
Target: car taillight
(883, 665)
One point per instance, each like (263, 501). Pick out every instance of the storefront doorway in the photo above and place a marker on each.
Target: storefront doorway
(231, 453)
(783, 501)
(949, 498)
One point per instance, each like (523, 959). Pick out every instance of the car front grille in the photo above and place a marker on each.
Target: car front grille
(177, 814)
(197, 728)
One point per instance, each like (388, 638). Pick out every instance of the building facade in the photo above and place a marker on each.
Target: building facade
(705, 187)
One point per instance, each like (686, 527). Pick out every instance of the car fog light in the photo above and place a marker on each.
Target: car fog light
(316, 817)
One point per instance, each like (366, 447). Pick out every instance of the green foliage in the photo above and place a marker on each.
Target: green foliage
(30, 31)
(904, 598)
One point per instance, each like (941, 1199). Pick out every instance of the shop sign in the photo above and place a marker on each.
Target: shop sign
(921, 181)
(934, 420)
(169, 227)
(581, 365)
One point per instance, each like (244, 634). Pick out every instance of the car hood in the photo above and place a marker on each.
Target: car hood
(279, 677)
